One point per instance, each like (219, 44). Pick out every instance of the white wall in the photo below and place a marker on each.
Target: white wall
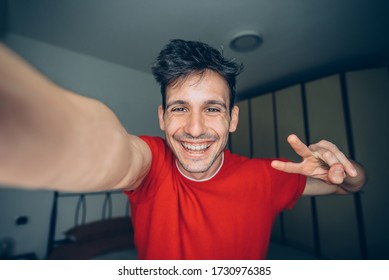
(134, 96)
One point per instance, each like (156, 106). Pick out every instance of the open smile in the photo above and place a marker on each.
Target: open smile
(198, 148)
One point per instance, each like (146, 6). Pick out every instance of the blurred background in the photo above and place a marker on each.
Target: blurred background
(315, 68)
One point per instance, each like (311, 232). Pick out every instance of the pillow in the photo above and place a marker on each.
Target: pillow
(100, 230)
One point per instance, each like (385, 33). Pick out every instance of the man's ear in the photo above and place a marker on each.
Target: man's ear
(234, 119)
(161, 112)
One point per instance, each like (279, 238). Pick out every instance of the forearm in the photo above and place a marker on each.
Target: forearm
(20, 83)
(27, 120)
(354, 184)
(350, 184)
(53, 138)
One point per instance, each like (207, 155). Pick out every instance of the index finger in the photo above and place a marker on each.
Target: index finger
(298, 146)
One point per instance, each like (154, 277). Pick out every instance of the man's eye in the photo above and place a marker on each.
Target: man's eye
(213, 110)
(178, 109)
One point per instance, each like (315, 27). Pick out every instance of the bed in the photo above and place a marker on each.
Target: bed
(90, 226)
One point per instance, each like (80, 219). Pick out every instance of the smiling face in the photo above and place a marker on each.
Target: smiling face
(196, 122)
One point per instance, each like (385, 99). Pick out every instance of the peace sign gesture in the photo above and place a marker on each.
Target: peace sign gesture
(322, 161)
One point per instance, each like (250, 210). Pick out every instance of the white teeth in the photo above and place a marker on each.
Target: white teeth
(195, 147)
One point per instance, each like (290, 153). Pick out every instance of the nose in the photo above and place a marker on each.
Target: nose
(195, 124)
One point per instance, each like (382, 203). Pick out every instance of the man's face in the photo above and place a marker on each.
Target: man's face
(197, 121)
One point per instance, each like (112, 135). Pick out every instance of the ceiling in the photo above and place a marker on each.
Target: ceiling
(302, 39)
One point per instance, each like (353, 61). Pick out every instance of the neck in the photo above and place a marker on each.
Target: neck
(202, 179)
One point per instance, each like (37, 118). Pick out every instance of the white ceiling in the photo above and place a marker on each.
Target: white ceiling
(303, 39)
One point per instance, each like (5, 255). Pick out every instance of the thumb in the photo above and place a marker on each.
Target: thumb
(336, 174)
(288, 167)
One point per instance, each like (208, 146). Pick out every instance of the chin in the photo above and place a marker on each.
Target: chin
(195, 167)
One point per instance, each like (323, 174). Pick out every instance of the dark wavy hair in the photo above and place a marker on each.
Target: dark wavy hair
(181, 58)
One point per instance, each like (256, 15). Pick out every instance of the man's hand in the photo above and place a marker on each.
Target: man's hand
(323, 161)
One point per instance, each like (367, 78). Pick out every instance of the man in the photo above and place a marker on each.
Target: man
(190, 197)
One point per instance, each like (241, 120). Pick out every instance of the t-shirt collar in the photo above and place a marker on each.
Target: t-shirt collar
(205, 179)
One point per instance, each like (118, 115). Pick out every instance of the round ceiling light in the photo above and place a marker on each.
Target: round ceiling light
(246, 41)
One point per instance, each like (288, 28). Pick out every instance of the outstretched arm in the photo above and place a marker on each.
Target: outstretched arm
(327, 169)
(54, 138)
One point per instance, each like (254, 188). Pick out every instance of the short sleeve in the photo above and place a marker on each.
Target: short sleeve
(159, 155)
(286, 189)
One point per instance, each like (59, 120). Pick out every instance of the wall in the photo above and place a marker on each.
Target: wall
(131, 94)
(348, 109)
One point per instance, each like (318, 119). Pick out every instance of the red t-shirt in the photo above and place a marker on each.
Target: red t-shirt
(229, 216)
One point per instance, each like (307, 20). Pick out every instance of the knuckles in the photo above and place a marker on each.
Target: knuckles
(323, 144)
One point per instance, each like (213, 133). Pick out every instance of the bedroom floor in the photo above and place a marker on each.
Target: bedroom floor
(276, 252)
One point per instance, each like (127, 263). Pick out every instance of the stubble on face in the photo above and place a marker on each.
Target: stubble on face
(196, 165)
(196, 122)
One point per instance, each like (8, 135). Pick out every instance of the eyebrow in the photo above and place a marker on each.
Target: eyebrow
(176, 102)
